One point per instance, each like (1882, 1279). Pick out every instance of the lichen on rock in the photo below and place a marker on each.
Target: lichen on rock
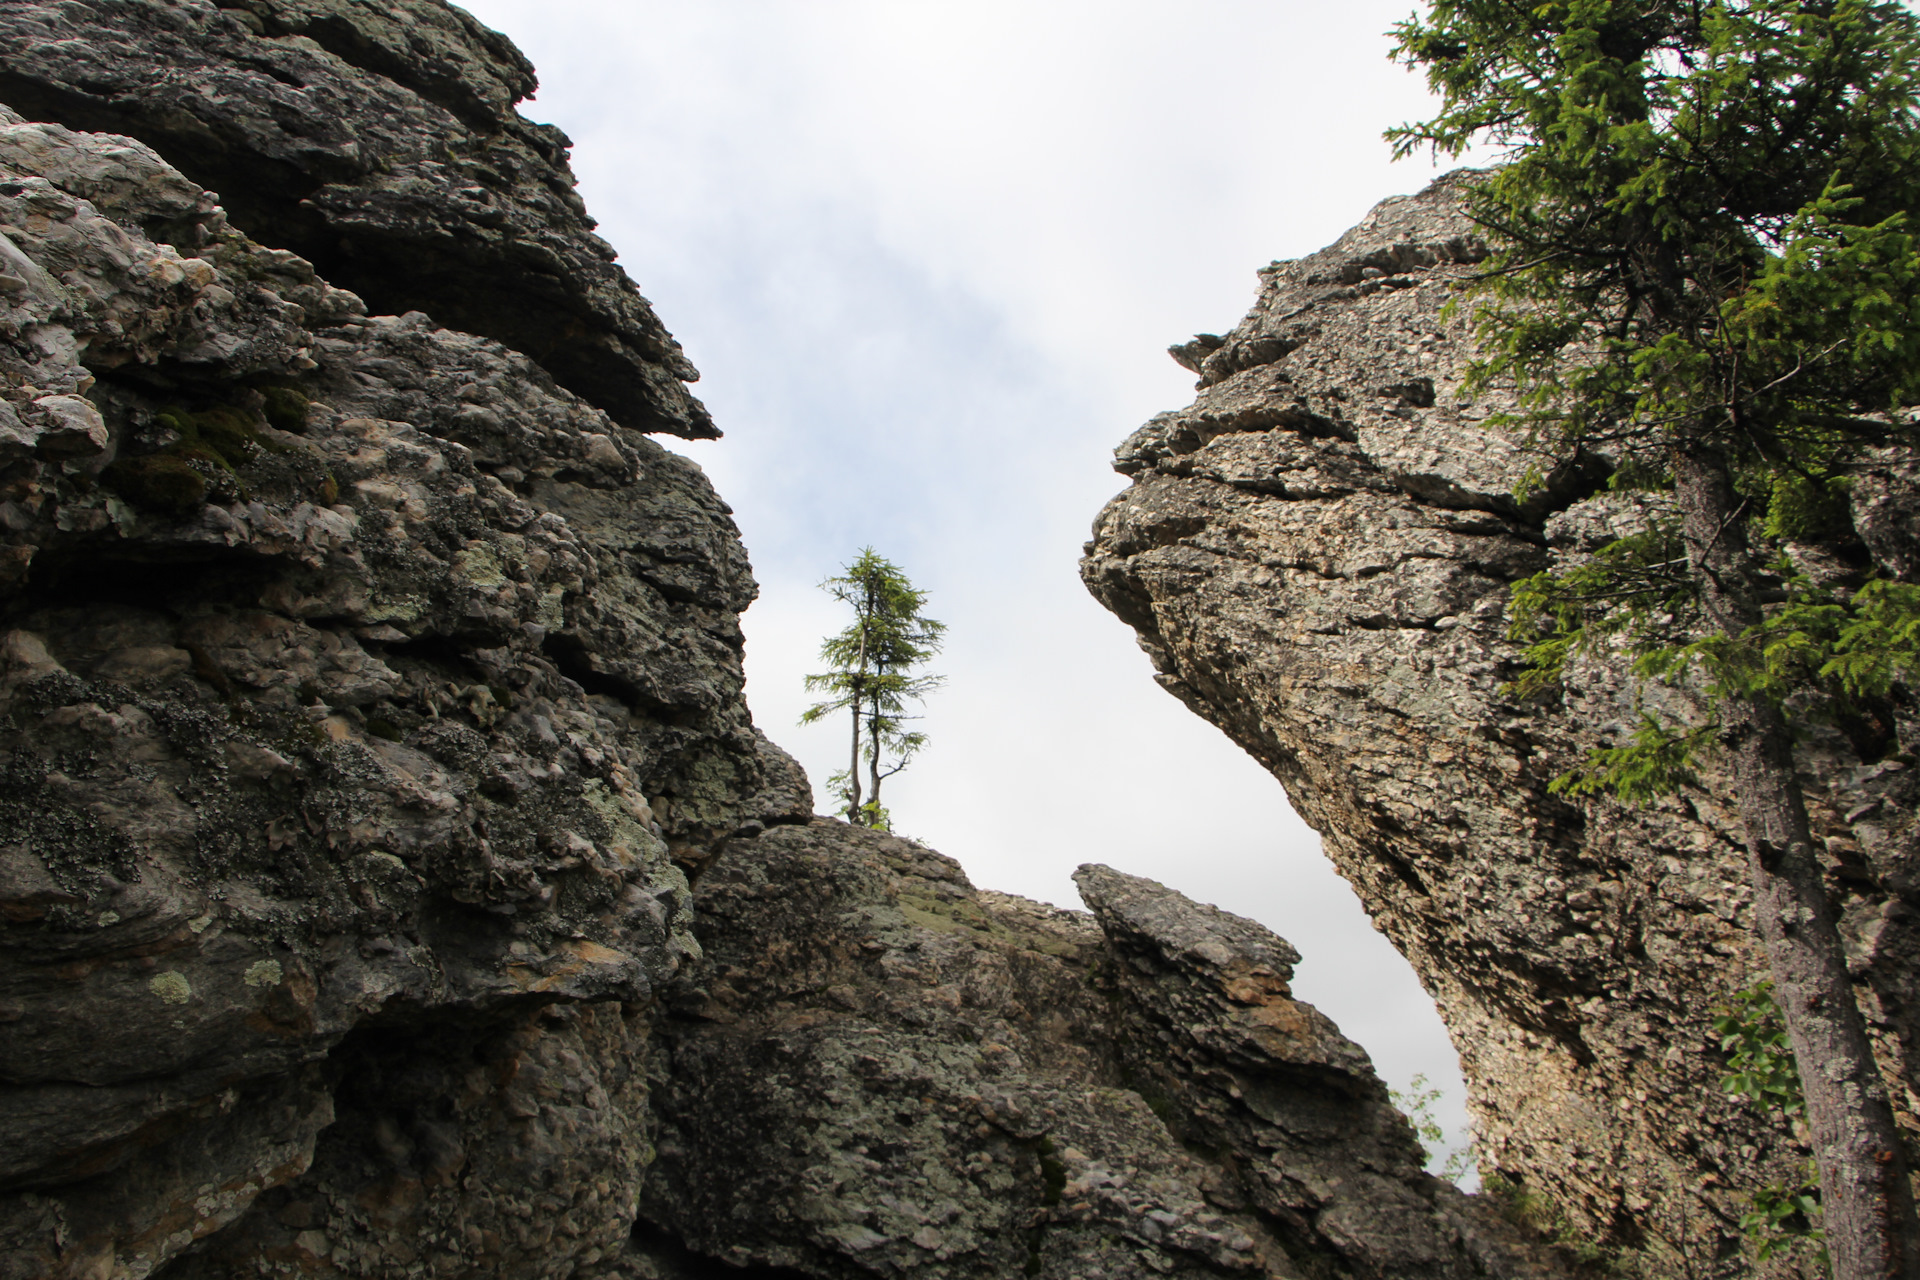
(1317, 555)
(353, 672)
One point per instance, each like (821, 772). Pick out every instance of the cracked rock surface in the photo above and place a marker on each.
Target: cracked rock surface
(1317, 554)
(878, 1070)
(380, 143)
(355, 679)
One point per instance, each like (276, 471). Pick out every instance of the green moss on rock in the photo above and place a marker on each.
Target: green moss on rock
(160, 482)
(285, 408)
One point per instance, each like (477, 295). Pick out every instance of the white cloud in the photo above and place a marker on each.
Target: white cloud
(928, 254)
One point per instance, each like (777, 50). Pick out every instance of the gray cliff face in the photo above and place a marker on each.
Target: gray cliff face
(392, 881)
(1317, 554)
(379, 142)
(355, 679)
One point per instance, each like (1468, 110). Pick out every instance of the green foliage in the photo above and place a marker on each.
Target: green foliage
(1704, 237)
(871, 677)
(1859, 646)
(1417, 1103)
(871, 814)
(1850, 646)
(1635, 588)
(1759, 1059)
(1658, 762)
(1803, 507)
(1761, 1069)
(1784, 1220)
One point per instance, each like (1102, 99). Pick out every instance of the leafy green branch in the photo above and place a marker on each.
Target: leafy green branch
(1761, 1069)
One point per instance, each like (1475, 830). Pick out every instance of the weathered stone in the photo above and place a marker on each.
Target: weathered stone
(878, 1069)
(368, 699)
(353, 672)
(510, 1150)
(1317, 555)
(379, 142)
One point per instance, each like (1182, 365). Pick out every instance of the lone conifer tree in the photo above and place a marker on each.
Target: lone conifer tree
(870, 677)
(1706, 274)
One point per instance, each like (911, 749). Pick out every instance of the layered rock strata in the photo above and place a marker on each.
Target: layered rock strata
(1317, 554)
(381, 144)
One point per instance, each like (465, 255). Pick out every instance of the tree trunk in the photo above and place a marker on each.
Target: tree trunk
(853, 767)
(1866, 1200)
(864, 616)
(873, 757)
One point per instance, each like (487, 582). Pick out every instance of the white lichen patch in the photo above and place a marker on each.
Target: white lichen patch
(552, 612)
(172, 987)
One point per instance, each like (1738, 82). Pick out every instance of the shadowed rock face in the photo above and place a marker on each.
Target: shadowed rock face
(354, 679)
(379, 142)
(1317, 554)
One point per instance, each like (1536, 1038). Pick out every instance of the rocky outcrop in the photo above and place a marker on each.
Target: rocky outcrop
(392, 881)
(1317, 555)
(878, 1070)
(355, 679)
(381, 144)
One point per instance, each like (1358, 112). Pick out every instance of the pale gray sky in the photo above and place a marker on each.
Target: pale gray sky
(928, 255)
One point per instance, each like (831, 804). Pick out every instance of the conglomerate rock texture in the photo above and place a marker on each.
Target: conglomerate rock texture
(354, 677)
(392, 881)
(1317, 554)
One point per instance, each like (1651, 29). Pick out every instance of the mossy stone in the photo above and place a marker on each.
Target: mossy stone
(161, 482)
(227, 432)
(285, 409)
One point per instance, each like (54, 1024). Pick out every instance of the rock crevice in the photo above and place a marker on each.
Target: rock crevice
(393, 882)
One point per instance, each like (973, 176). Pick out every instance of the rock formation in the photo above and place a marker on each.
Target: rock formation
(1317, 555)
(381, 144)
(353, 673)
(392, 882)
(880, 1071)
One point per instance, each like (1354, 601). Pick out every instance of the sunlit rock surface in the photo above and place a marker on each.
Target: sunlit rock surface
(1317, 554)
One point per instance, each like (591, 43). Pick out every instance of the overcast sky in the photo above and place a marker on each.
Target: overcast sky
(928, 255)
